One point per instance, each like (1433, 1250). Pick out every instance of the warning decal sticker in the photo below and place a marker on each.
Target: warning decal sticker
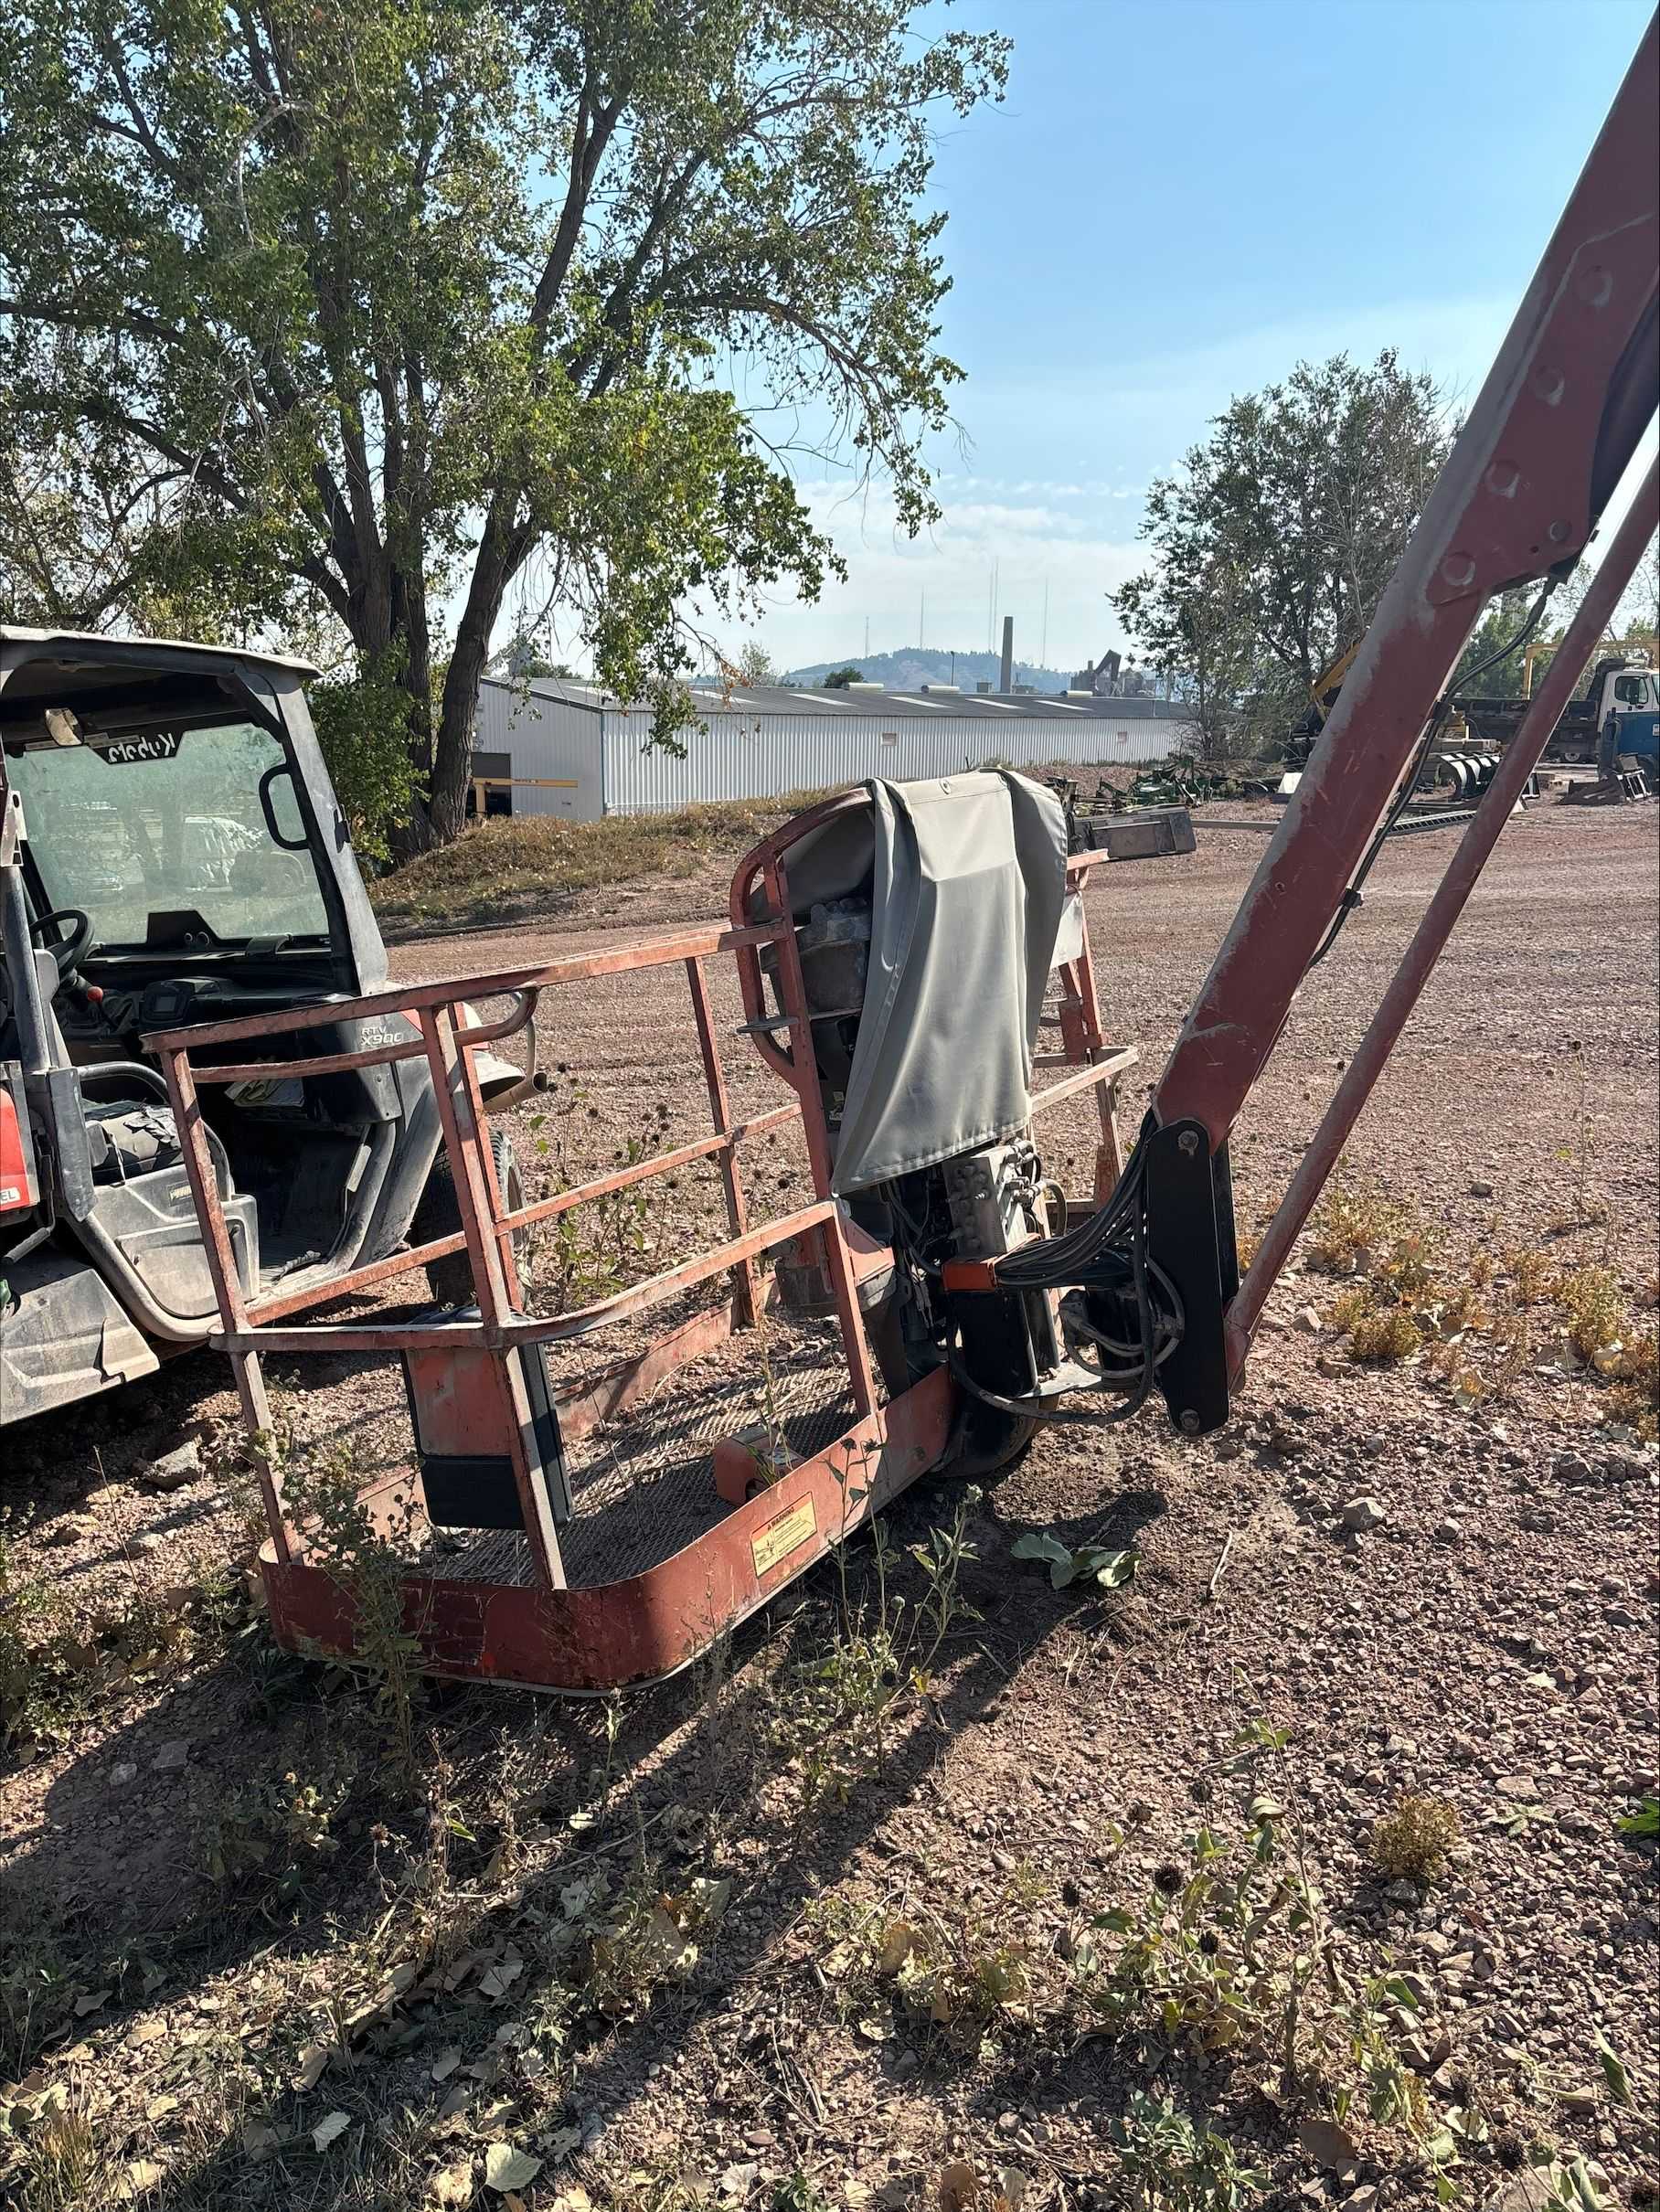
(779, 1538)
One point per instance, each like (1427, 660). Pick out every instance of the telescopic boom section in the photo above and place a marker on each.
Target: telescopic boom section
(1558, 419)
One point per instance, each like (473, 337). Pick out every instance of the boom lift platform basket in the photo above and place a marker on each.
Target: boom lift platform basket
(574, 1580)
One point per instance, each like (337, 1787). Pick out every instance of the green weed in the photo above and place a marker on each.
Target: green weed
(321, 1496)
(1386, 1336)
(840, 1706)
(1634, 1395)
(1169, 2162)
(56, 1662)
(266, 1841)
(1590, 1298)
(952, 1978)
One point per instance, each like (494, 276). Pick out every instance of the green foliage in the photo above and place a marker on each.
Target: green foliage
(796, 2193)
(1615, 2078)
(1171, 2164)
(842, 1702)
(1231, 1954)
(355, 313)
(1401, 1298)
(618, 1938)
(40, 1687)
(362, 725)
(839, 679)
(1089, 1562)
(952, 1978)
(1644, 1824)
(1358, 1230)
(589, 1251)
(1384, 1336)
(1567, 2187)
(1590, 1297)
(263, 1843)
(322, 1494)
(1502, 623)
(756, 665)
(1272, 546)
(57, 1660)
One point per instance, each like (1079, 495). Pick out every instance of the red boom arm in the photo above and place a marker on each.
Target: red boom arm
(1557, 422)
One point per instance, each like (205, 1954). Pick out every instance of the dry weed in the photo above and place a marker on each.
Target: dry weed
(1635, 1397)
(1590, 1297)
(1531, 1271)
(503, 858)
(1386, 1336)
(1412, 1843)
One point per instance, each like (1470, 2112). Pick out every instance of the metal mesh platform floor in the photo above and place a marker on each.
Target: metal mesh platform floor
(642, 1483)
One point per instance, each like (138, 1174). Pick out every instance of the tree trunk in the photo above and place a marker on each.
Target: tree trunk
(452, 750)
(415, 678)
(447, 799)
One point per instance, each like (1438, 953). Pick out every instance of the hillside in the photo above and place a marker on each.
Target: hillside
(914, 666)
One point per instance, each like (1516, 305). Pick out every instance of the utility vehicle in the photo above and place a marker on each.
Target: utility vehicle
(172, 852)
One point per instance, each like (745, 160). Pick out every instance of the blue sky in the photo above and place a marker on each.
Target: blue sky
(1176, 201)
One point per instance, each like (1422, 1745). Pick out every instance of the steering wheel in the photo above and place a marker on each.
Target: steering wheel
(65, 951)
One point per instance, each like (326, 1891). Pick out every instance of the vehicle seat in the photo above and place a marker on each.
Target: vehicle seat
(131, 1129)
(131, 1140)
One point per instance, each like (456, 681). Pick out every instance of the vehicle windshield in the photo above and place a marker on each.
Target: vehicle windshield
(156, 833)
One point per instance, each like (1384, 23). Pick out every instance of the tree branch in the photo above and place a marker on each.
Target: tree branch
(594, 125)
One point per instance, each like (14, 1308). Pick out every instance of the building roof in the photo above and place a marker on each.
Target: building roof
(867, 701)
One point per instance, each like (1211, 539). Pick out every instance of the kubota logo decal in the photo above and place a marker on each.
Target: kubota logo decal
(154, 745)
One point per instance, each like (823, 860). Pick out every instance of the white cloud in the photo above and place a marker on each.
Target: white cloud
(937, 587)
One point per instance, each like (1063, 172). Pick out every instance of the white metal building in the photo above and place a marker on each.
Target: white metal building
(550, 746)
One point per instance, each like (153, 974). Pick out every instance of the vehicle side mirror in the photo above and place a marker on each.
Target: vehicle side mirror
(281, 776)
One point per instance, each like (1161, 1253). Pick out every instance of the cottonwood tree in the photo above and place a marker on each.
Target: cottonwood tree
(1272, 544)
(1491, 665)
(1201, 643)
(389, 306)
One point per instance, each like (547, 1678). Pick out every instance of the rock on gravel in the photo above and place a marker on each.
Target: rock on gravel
(172, 1470)
(1364, 1515)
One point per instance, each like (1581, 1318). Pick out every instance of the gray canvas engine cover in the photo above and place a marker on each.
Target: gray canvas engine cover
(970, 884)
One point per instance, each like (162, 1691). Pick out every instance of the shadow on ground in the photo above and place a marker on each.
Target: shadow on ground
(685, 1761)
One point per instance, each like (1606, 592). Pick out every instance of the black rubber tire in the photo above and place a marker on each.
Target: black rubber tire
(987, 1440)
(438, 1215)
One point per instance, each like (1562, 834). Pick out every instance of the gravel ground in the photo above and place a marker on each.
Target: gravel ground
(1491, 1642)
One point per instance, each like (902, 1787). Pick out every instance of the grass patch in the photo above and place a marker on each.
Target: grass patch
(541, 857)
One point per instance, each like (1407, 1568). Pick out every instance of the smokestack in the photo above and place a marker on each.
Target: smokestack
(1006, 684)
